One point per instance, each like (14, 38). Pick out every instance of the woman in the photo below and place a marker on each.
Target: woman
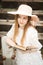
(24, 37)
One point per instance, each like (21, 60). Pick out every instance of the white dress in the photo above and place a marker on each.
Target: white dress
(33, 58)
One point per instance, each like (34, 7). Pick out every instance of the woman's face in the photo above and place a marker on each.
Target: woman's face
(22, 20)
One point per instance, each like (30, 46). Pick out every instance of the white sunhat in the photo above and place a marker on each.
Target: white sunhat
(24, 9)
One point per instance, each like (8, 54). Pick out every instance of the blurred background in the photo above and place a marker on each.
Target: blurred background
(6, 20)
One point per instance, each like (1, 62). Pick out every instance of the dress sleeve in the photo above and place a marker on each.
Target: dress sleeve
(11, 32)
(34, 39)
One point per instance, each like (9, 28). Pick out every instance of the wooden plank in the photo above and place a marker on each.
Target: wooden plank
(23, 0)
(38, 12)
(18, 0)
(40, 36)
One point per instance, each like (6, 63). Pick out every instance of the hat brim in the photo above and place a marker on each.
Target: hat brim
(14, 13)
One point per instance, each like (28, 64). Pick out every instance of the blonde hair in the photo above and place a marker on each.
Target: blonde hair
(25, 29)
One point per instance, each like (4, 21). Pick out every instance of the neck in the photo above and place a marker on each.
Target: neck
(22, 27)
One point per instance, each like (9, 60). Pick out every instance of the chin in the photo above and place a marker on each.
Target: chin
(21, 25)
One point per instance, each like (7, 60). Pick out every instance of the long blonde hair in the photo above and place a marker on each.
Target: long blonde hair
(17, 27)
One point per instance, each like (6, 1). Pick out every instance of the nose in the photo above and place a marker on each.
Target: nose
(21, 20)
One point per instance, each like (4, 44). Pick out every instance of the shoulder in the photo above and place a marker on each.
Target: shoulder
(11, 31)
(31, 30)
(32, 33)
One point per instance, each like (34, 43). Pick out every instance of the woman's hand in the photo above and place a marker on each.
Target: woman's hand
(21, 47)
(31, 49)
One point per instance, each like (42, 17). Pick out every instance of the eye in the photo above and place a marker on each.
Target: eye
(26, 18)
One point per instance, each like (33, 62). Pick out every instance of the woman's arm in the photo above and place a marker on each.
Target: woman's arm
(30, 49)
(11, 43)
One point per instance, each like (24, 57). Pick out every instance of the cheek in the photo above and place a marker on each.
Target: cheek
(18, 21)
(25, 21)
